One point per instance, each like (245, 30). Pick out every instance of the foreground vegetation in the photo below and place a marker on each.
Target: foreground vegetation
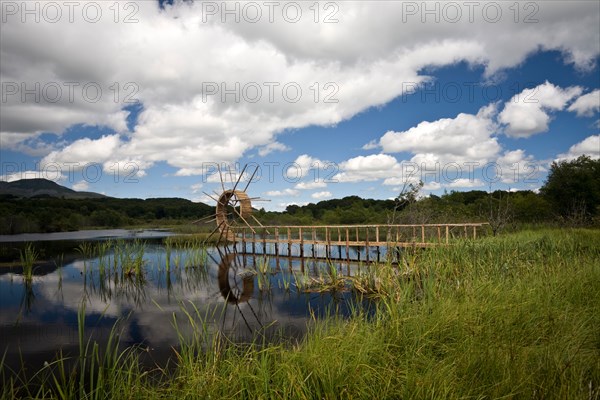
(512, 316)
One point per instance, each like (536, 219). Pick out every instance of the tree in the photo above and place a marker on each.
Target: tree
(407, 197)
(573, 189)
(498, 211)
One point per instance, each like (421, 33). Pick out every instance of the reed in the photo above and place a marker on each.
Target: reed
(28, 258)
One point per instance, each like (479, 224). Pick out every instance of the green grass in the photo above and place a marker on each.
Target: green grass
(515, 316)
(28, 258)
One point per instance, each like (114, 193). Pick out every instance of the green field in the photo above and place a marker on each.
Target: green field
(512, 316)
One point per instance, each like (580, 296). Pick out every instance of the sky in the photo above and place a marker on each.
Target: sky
(322, 99)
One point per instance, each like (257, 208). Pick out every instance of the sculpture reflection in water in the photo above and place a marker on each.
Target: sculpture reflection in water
(236, 285)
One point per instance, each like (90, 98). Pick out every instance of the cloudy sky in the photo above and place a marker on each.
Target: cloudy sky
(328, 99)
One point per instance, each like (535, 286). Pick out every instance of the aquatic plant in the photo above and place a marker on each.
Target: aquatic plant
(28, 258)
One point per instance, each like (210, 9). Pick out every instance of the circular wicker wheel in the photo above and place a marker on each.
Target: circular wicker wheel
(235, 204)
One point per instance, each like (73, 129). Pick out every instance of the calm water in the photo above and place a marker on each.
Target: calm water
(228, 291)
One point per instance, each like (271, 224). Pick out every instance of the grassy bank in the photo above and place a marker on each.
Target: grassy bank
(515, 316)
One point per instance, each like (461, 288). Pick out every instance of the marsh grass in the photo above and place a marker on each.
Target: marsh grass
(28, 256)
(512, 316)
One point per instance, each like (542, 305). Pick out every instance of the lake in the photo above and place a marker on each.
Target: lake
(148, 289)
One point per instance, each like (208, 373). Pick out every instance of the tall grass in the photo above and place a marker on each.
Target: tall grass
(28, 258)
(513, 316)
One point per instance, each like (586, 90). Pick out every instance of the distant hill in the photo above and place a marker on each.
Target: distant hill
(43, 188)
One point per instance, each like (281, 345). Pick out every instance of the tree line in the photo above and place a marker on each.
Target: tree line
(52, 214)
(570, 196)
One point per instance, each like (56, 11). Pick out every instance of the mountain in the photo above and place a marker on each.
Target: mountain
(43, 188)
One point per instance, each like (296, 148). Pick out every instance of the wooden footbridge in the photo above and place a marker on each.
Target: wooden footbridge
(234, 213)
(345, 242)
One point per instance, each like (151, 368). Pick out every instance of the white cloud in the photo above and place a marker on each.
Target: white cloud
(527, 113)
(196, 187)
(168, 57)
(433, 185)
(285, 192)
(465, 183)
(590, 146)
(51, 174)
(367, 168)
(373, 144)
(303, 165)
(466, 137)
(311, 185)
(81, 186)
(271, 147)
(515, 167)
(587, 104)
(321, 195)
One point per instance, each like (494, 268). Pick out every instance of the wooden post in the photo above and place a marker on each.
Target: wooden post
(439, 234)
(377, 234)
(301, 242)
(276, 242)
(466, 235)
(314, 240)
(367, 244)
(447, 233)
(328, 239)
(414, 237)
(253, 242)
(244, 240)
(264, 242)
(474, 231)
(347, 245)
(422, 233)
(289, 238)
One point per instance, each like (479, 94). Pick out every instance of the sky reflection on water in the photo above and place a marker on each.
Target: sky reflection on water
(38, 319)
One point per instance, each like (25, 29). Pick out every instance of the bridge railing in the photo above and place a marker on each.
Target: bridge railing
(358, 235)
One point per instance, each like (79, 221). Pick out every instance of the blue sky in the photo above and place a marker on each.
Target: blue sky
(144, 101)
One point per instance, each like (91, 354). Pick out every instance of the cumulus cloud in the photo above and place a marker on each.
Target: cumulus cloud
(81, 186)
(528, 112)
(271, 147)
(285, 192)
(516, 167)
(587, 104)
(304, 164)
(311, 185)
(199, 79)
(51, 174)
(465, 137)
(367, 168)
(321, 195)
(590, 146)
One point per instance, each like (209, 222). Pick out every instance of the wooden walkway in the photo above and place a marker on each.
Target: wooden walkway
(340, 239)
